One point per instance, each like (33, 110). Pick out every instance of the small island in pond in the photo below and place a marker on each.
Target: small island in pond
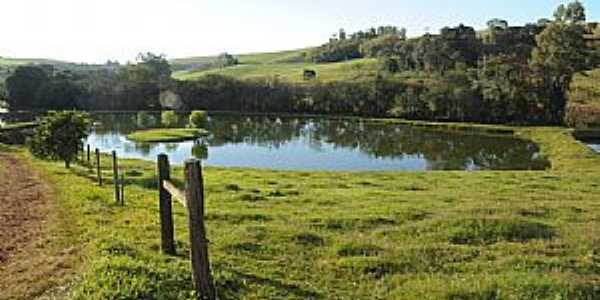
(166, 135)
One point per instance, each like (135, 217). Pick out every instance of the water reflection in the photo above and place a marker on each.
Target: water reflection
(323, 144)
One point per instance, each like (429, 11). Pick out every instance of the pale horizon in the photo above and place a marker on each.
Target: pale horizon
(94, 32)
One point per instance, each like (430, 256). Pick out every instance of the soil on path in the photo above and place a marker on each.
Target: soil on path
(22, 206)
(29, 265)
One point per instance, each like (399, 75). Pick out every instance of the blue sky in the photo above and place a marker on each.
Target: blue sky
(94, 31)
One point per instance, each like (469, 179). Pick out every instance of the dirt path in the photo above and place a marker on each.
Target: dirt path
(23, 203)
(33, 263)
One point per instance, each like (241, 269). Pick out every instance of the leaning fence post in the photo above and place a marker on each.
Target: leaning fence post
(166, 215)
(116, 177)
(98, 170)
(194, 196)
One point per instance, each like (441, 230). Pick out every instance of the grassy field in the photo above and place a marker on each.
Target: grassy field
(166, 135)
(294, 72)
(10, 62)
(246, 59)
(373, 235)
(286, 65)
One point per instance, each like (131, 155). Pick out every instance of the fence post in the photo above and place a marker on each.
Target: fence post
(88, 154)
(166, 215)
(122, 189)
(98, 171)
(194, 196)
(116, 177)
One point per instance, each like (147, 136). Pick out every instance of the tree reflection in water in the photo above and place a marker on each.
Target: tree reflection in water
(442, 150)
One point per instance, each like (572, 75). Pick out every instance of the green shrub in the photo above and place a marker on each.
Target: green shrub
(144, 120)
(200, 151)
(199, 119)
(60, 136)
(169, 119)
(582, 116)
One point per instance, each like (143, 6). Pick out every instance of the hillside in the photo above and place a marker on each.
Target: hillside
(248, 59)
(287, 65)
(8, 62)
(290, 65)
(350, 70)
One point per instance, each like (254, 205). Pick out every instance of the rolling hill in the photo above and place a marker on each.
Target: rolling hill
(350, 70)
(286, 65)
(8, 62)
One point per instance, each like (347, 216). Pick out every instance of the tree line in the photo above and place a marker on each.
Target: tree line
(505, 74)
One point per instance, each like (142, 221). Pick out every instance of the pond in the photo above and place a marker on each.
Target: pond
(590, 137)
(594, 144)
(293, 143)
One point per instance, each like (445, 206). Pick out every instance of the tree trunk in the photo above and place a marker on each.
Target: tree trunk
(67, 164)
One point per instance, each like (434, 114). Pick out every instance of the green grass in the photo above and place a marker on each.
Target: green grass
(293, 72)
(11, 62)
(166, 135)
(245, 59)
(17, 126)
(286, 65)
(372, 235)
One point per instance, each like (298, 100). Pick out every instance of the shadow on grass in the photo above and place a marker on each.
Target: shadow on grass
(230, 287)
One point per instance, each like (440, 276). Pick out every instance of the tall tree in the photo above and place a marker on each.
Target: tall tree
(561, 52)
(573, 12)
(342, 34)
(23, 86)
(495, 24)
(156, 66)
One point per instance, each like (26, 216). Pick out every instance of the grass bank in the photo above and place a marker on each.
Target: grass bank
(372, 235)
(166, 135)
(18, 126)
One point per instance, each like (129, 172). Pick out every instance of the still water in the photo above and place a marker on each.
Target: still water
(595, 145)
(290, 143)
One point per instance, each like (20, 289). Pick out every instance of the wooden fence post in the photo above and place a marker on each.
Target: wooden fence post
(165, 206)
(122, 189)
(116, 177)
(98, 171)
(88, 154)
(194, 196)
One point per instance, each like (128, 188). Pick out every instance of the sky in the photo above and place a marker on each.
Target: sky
(96, 31)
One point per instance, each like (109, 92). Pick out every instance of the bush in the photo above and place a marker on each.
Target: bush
(169, 119)
(60, 136)
(144, 120)
(582, 116)
(200, 151)
(199, 119)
